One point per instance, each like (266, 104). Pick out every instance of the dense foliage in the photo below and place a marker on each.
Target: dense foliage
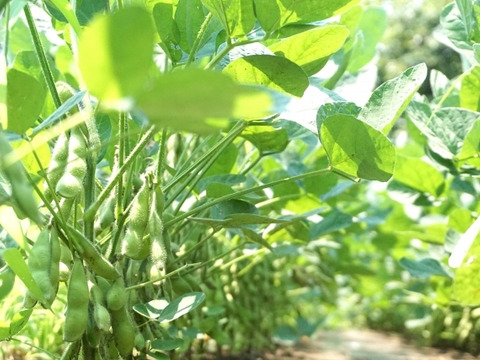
(182, 176)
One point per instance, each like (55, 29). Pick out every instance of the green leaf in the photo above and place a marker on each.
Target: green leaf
(470, 89)
(312, 49)
(369, 33)
(334, 221)
(454, 28)
(466, 286)
(7, 280)
(85, 10)
(67, 11)
(356, 149)
(470, 152)
(237, 17)
(227, 208)
(14, 259)
(267, 139)
(335, 108)
(19, 320)
(193, 99)
(181, 306)
(273, 71)
(238, 220)
(273, 14)
(167, 30)
(189, 17)
(391, 98)
(116, 58)
(25, 98)
(446, 129)
(225, 179)
(166, 344)
(419, 175)
(256, 238)
(423, 268)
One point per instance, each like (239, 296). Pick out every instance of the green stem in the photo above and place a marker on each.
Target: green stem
(47, 72)
(240, 193)
(216, 59)
(193, 248)
(233, 133)
(161, 155)
(198, 39)
(161, 278)
(91, 211)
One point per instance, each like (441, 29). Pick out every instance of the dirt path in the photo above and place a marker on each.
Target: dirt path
(362, 345)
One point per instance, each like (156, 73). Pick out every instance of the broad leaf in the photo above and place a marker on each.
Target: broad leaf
(167, 30)
(418, 175)
(454, 28)
(356, 149)
(470, 152)
(237, 17)
(470, 89)
(166, 344)
(181, 306)
(311, 49)
(189, 17)
(25, 98)
(334, 221)
(391, 98)
(115, 58)
(7, 280)
(267, 139)
(228, 208)
(68, 13)
(466, 286)
(273, 14)
(272, 71)
(335, 108)
(464, 245)
(184, 99)
(19, 320)
(423, 268)
(370, 30)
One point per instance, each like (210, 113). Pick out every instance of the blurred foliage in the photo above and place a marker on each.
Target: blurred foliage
(410, 39)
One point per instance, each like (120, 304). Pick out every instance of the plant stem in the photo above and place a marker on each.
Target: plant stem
(153, 281)
(245, 192)
(198, 39)
(90, 212)
(47, 72)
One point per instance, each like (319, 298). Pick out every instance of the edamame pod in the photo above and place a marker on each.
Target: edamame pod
(123, 331)
(14, 171)
(76, 316)
(58, 164)
(116, 295)
(70, 184)
(92, 256)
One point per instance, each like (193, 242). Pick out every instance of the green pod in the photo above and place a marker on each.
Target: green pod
(58, 163)
(135, 245)
(55, 252)
(39, 263)
(101, 316)
(159, 252)
(92, 256)
(93, 333)
(138, 216)
(116, 295)
(15, 173)
(106, 214)
(71, 183)
(123, 331)
(76, 315)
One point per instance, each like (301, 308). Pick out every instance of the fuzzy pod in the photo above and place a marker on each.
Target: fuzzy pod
(71, 183)
(116, 295)
(76, 316)
(15, 173)
(123, 331)
(58, 163)
(97, 262)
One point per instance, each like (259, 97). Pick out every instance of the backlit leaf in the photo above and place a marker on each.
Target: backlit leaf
(273, 71)
(311, 49)
(356, 149)
(115, 58)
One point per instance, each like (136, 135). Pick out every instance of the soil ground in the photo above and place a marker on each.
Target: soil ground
(362, 345)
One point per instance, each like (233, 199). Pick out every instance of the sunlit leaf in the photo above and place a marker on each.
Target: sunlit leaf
(166, 344)
(470, 89)
(18, 265)
(423, 268)
(418, 175)
(267, 139)
(115, 58)
(356, 149)
(273, 14)
(19, 320)
(273, 71)
(466, 286)
(391, 98)
(25, 98)
(334, 221)
(237, 17)
(311, 49)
